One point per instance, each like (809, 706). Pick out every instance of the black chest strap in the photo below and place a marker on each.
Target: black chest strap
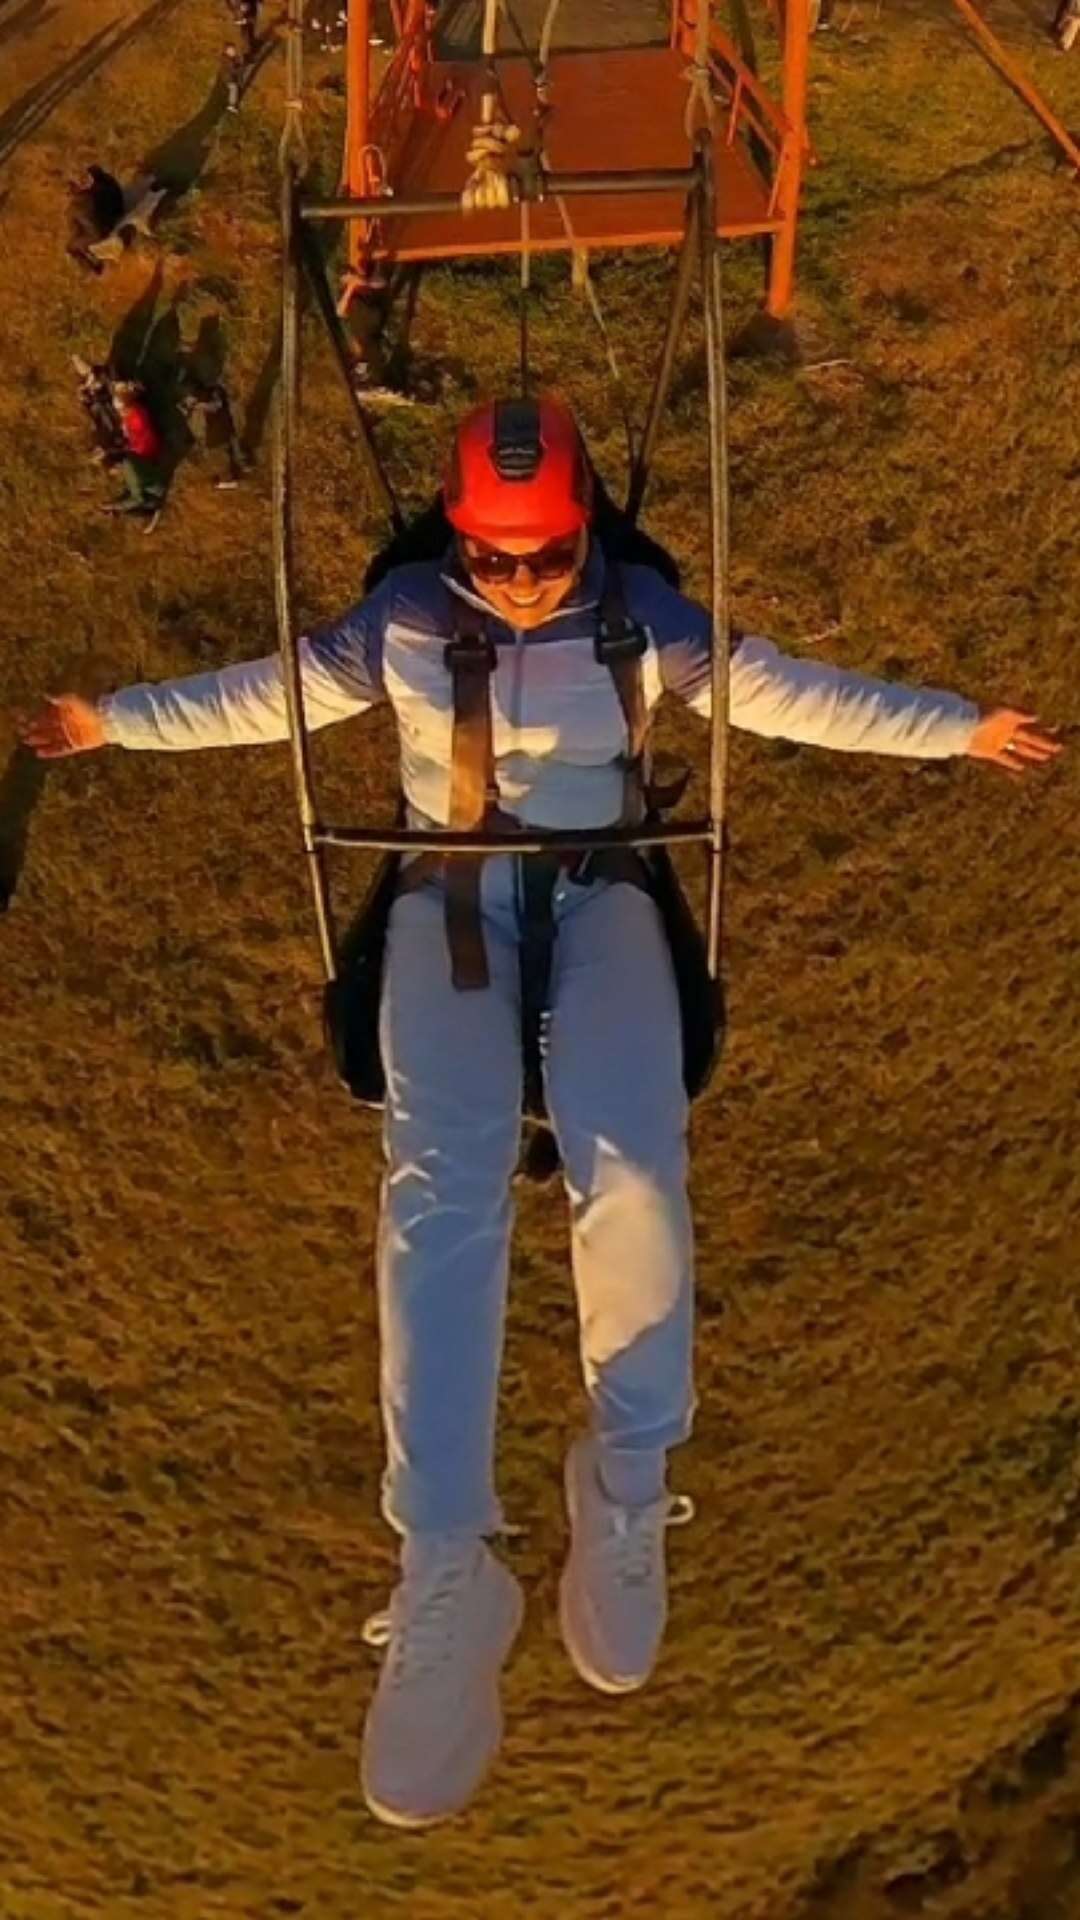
(470, 657)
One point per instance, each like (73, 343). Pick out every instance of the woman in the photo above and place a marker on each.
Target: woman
(522, 591)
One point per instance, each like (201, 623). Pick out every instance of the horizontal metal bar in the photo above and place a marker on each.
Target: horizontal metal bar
(576, 840)
(549, 186)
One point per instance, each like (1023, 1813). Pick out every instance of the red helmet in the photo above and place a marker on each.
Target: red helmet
(518, 470)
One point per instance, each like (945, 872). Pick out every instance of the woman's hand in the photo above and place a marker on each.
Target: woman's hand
(62, 724)
(1013, 741)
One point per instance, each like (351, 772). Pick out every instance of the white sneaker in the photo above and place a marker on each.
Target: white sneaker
(613, 1592)
(435, 1723)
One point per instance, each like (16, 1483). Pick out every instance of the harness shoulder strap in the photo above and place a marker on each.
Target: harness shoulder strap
(470, 659)
(619, 646)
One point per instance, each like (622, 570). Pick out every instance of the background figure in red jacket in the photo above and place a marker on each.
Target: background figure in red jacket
(143, 450)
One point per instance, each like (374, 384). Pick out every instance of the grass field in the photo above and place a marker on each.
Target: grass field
(869, 1704)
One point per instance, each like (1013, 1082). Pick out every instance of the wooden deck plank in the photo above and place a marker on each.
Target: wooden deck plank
(615, 110)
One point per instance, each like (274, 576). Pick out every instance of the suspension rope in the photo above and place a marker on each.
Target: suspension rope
(546, 31)
(700, 105)
(541, 83)
(292, 147)
(523, 303)
(492, 156)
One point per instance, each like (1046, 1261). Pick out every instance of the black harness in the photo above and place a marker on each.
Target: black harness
(352, 1000)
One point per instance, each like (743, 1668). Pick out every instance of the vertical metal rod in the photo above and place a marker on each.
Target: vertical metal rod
(719, 546)
(355, 178)
(795, 25)
(524, 288)
(285, 421)
(315, 268)
(688, 263)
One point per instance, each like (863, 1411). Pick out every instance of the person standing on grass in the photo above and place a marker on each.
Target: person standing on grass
(209, 415)
(140, 459)
(527, 580)
(232, 74)
(246, 15)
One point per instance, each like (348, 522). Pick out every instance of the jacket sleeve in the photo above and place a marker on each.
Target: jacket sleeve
(244, 705)
(780, 696)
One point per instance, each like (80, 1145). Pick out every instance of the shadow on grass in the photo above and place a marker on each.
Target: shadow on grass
(20, 790)
(181, 158)
(206, 358)
(257, 411)
(26, 20)
(32, 108)
(129, 340)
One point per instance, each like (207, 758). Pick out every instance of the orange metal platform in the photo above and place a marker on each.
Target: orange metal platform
(624, 110)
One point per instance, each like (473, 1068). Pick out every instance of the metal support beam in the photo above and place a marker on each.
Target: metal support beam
(548, 187)
(689, 260)
(570, 840)
(354, 175)
(796, 28)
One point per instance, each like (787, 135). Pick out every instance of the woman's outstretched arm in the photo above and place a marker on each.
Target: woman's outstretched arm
(235, 706)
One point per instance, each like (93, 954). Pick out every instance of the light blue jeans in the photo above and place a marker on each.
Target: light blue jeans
(452, 1126)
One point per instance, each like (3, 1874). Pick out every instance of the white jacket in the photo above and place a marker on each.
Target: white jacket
(558, 730)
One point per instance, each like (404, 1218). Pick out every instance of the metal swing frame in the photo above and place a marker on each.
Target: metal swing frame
(302, 261)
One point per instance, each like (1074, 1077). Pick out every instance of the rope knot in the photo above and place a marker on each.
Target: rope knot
(700, 99)
(492, 155)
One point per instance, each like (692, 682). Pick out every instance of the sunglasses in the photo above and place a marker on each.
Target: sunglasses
(497, 568)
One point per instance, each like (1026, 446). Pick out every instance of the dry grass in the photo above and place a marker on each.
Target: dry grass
(868, 1705)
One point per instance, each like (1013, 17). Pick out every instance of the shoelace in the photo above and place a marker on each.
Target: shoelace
(636, 1533)
(419, 1631)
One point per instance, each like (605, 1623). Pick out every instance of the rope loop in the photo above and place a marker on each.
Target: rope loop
(494, 162)
(701, 104)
